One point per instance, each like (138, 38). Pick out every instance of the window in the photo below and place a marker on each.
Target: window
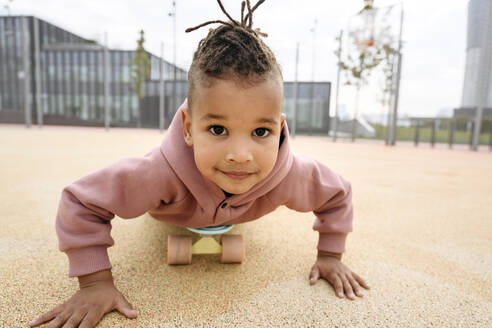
(116, 58)
(52, 104)
(75, 67)
(2, 38)
(100, 101)
(134, 105)
(61, 108)
(100, 67)
(17, 34)
(84, 107)
(126, 74)
(59, 66)
(92, 108)
(83, 66)
(67, 66)
(117, 108)
(51, 65)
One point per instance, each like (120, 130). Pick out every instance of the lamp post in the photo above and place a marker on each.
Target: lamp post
(294, 120)
(312, 75)
(173, 15)
(339, 55)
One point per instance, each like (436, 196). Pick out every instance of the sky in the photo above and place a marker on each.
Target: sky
(434, 40)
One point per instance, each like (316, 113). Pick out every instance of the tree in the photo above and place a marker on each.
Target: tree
(370, 52)
(140, 70)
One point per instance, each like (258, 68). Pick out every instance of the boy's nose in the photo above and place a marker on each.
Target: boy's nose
(239, 154)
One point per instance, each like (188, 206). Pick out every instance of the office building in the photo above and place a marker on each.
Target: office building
(68, 82)
(477, 87)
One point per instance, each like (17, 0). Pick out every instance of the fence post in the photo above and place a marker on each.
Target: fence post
(433, 136)
(490, 140)
(452, 127)
(472, 125)
(417, 133)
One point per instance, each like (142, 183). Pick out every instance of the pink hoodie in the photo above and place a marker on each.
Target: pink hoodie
(167, 184)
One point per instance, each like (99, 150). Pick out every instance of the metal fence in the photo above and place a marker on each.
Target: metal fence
(448, 131)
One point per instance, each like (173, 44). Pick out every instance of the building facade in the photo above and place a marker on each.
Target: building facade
(477, 88)
(62, 76)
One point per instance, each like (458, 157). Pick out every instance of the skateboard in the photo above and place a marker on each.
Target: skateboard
(180, 248)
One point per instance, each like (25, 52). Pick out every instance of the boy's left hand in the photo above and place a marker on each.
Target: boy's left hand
(338, 275)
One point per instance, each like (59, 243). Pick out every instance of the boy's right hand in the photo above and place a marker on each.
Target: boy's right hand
(96, 297)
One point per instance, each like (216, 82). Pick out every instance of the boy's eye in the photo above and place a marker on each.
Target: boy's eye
(217, 130)
(261, 132)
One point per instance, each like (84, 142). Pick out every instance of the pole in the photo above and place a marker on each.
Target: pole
(26, 73)
(391, 99)
(311, 111)
(294, 120)
(106, 83)
(37, 76)
(356, 111)
(417, 133)
(389, 116)
(433, 133)
(174, 57)
(161, 90)
(485, 63)
(398, 78)
(335, 121)
(451, 133)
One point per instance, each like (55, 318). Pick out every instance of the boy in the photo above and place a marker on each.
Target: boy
(224, 160)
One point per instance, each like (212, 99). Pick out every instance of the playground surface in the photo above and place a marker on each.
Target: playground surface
(422, 239)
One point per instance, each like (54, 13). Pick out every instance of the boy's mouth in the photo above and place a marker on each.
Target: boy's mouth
(237, 175)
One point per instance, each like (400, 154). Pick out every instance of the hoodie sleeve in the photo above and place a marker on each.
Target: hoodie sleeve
(314, 187)
(127, 188)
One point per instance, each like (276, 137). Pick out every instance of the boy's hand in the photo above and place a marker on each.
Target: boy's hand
(87, 307)
(338, 275)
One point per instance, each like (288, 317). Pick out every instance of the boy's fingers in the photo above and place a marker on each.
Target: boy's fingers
(91, 319)
(335, 280)
(45, 317)
(348, 288)
(74, 319)
(314, 276)
(360, 280)
(355, 286)
(59, 320)
(125, 308)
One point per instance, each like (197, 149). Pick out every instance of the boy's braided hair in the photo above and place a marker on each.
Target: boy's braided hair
(234, 49)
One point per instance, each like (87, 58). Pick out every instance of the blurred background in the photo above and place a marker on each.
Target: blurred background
(411, 71)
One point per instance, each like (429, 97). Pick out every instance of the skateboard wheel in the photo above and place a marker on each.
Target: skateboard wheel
(179, 249)
(232, 249)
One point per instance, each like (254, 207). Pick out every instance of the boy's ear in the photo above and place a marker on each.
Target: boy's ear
(186, 119)
(282, 121)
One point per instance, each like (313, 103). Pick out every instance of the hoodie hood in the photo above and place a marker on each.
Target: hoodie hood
(181, 158)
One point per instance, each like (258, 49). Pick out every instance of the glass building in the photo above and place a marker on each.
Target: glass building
(62, 76)
(477, 85)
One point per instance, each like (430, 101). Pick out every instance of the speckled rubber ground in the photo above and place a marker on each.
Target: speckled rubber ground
(422, 239)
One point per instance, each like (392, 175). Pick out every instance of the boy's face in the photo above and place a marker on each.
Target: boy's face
(235, 132)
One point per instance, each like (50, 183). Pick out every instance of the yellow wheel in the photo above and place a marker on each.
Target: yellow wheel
(179, 249)
(232, 249)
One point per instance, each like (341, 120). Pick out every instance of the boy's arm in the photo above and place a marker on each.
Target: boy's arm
(314, 187)
(128, 188)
